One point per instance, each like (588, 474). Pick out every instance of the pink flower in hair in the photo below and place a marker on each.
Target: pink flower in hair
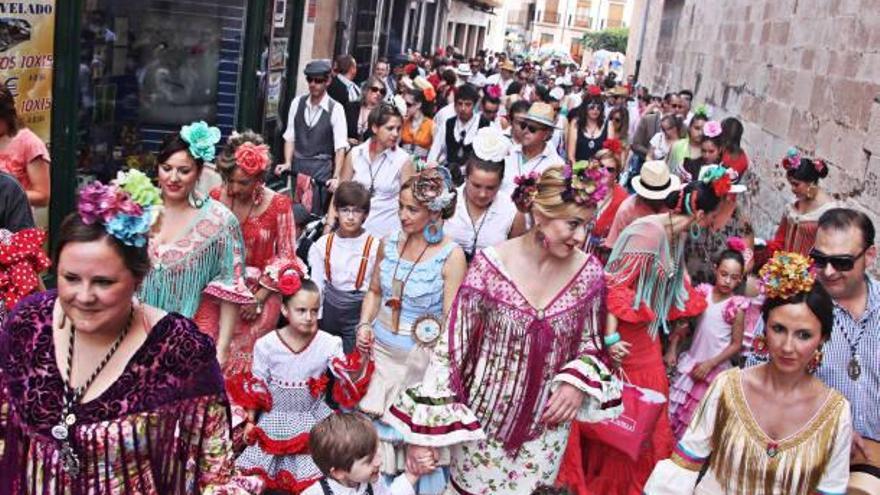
(712, 129)
(736, 243)
(493, 91)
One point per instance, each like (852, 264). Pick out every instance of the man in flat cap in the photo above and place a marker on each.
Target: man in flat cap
(317, 136)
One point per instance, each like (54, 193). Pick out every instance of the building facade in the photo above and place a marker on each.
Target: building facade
(795, 73)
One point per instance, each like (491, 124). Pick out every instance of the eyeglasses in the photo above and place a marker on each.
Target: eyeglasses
(316, 80)
(376, 89)
(350, 211)
(530, 127)
(840, 262)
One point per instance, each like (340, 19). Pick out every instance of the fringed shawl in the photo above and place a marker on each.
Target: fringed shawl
(740, 461)
(209, 257)
(512, 352)
(161, 428)
(643, 262)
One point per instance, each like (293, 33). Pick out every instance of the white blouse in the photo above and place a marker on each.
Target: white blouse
(382, 178)
(491, 228)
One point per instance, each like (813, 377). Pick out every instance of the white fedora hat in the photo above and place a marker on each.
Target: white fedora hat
(655, 181)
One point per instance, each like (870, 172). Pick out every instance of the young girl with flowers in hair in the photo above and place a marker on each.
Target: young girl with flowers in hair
(284, 394)
(719, 337)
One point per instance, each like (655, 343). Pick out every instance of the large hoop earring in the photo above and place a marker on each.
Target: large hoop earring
(433, 232)
(195, 200)
(695, 231)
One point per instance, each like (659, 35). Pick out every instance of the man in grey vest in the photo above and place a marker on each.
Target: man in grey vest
(316, 136)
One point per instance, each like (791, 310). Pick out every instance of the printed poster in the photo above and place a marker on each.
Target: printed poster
(27, 33)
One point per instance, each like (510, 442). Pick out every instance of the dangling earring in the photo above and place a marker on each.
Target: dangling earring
(195, 200)
(815, 363)
(258, 194)
(695, 231)
(433, 232)
(812, 191)
(539, 235)
(759, 345)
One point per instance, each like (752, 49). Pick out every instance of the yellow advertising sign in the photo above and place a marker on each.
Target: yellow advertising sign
(27, 33)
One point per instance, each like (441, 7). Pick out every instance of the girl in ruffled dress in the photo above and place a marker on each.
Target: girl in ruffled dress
(284, 394)
(718, 338)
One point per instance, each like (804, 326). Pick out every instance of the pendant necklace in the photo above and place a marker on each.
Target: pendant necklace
(470, 254)
(61, 432)
(395, 302)
(854, 368)
(378, 169)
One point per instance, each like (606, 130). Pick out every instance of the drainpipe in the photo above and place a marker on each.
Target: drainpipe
(642, 41)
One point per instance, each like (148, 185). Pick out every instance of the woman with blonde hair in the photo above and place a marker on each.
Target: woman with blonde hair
(517, 359)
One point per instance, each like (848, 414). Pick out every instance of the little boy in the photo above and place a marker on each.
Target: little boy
(345, 447)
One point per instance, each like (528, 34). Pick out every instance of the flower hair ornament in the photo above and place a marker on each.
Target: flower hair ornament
(712, 129)
(127, 207)
(586, 183)
(792, 159)
(493, 91)
(737, 244)
(289, 280)
(426, 88)
(431, 187)
(251, 158)
(785, 275)
(703, 111)
(202, 139)
(523, 195)
(490, 144)
(594, 90)
(613, 145)
(719, 177)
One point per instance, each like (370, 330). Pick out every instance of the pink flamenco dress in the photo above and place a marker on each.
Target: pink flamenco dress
(713, 334)
(269, 248)
(647, 288)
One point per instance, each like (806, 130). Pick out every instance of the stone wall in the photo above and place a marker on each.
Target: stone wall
(802, 73)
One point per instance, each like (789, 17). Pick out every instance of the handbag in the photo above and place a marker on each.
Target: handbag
(631, 431)
(864, 477)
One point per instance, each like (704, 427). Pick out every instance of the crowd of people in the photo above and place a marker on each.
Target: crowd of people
(489, 276)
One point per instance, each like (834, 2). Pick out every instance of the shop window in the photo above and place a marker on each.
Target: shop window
(148, 67)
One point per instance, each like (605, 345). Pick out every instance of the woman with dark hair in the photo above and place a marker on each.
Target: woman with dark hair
(773, 428)
(800, 221)
(381, 166)
(587, 129)
(648, 289)
(618, 119)
(711, 150)
(419, 271)
(609, 157)
(734, 156)
(101, 389)
(196, 247)
(417, 132)
(268, 231)
(484, 218)
(22, 153)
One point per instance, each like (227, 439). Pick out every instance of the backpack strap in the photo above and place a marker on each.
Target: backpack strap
(365, 258)
(327, 258)
(325, 486)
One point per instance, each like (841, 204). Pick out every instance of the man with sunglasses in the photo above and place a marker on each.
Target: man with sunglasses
(316, 137)
(843, 251)
(535, 153)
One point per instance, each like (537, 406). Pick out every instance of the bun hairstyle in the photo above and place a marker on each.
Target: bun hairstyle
(803, 169)
(700, 196)
(544, 193)
(226, 161)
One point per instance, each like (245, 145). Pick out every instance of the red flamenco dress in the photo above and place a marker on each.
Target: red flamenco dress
(605, 214)
(647, 288)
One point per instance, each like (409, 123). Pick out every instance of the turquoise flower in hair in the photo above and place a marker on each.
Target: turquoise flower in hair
(201, 138)
(131, 230)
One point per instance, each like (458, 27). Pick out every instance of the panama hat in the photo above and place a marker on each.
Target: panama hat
(542, 113)
(655, 181)
(464, 70)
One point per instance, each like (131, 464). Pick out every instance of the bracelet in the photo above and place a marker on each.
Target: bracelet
(612, 339)
(364, 324)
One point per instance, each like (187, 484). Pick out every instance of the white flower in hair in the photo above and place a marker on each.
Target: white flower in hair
(491, 145)
(442, 201)
(400, 104)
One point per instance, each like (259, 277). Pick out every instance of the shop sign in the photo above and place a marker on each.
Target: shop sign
(27, 33)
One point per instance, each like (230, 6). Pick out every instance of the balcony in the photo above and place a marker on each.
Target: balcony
(551, 17)
(582, 22)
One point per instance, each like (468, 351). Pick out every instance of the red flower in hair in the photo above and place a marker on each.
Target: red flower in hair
(252, 158)
(493, 91)
(722, 186)
(594, 90)
(819, 165)
(289, 282)
(430, 94)
(410, 69)
(613, 145)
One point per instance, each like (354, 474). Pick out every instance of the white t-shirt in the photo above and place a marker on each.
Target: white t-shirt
(400, 486)
(515, 164)
(311, 114)
(490, 229)
(382, 177)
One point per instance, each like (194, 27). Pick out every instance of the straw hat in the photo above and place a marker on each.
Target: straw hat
(508, 65)
(542, 113)
(655, 181)
(464, 70)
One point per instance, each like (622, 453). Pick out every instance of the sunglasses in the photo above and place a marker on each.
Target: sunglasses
(840, 262)
(316, 80)
(616, 121)
(594, 106)
(530, 127)
(376, 89)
